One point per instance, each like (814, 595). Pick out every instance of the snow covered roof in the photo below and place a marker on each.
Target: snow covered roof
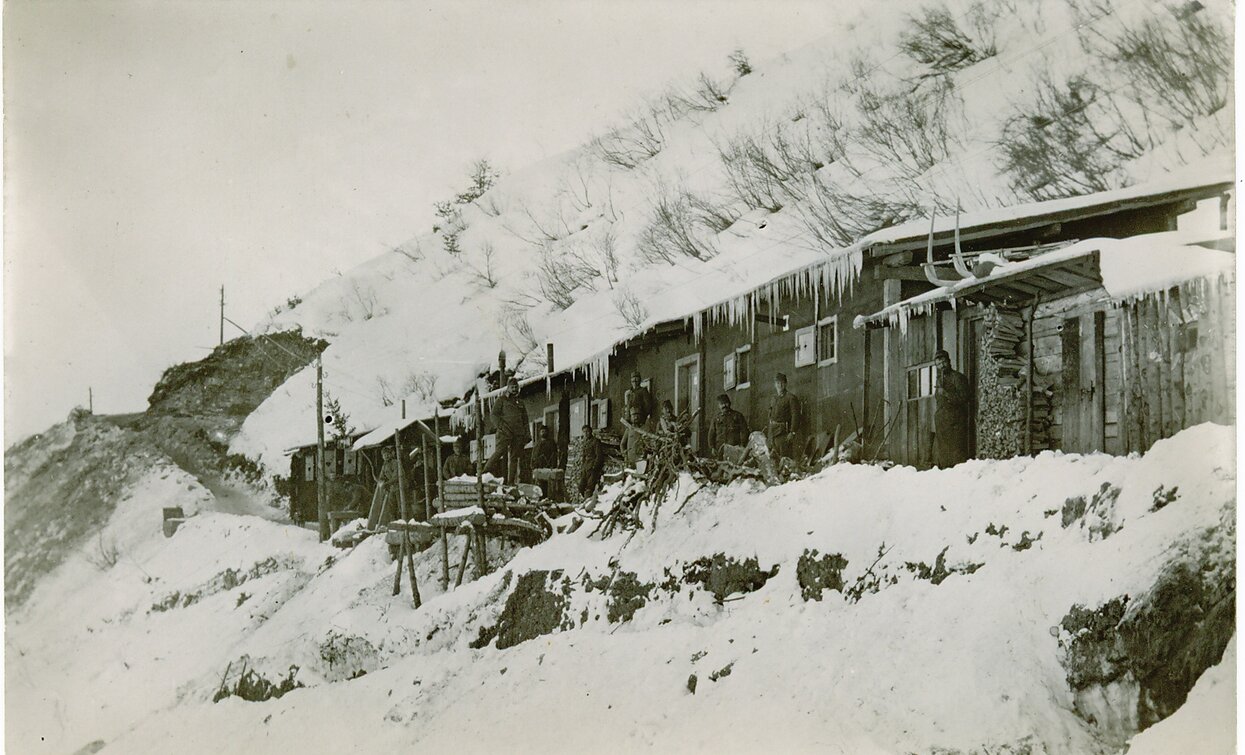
(386, 430)
(1201, 180)
(1125, 269)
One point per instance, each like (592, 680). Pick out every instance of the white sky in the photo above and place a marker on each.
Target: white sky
(154, 151)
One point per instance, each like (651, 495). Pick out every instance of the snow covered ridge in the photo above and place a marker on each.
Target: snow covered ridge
(859, 610)
(696, 224)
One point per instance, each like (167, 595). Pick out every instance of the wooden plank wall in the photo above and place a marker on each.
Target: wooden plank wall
(1078, 353)
(1179, 361)
(1120, 378)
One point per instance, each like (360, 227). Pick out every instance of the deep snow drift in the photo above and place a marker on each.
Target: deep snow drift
(959, 639)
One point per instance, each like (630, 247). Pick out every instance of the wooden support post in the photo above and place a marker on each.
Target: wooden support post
(445, 543)
(405, 551)
(481, 553)
(90, 399)
(479, 412)
(222, 316)
(462, 565)
(322, 497)
(1029, 380)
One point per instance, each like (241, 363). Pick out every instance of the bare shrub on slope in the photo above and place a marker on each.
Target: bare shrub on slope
(835, 215)
(909, 131)
(640, 138)
(1179, 64)
(1071, 138)
(561, 271)
(943, 44)
(680, 225)
(763, 167)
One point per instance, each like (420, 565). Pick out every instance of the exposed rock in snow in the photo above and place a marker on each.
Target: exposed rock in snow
(947, 634)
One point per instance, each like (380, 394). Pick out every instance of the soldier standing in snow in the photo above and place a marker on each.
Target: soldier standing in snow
(729, 427)
(545, 453)
(632, 445)
(640, 400)
(784, 420)
(458, 463)
(388, 480)
(592, 463)
(951, 404)
(510, 424)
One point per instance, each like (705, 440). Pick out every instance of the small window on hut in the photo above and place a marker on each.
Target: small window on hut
(828, 340)
(920, 381)
(728, 371)
(743, 367)
(579, 416)
(805, 346)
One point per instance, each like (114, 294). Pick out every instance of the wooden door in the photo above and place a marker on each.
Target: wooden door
(687, 390)
(1084, 389)
(919, 346)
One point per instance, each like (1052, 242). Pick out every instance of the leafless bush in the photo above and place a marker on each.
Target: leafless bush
(909, 131)
(1179, 65)
(410, 250)
(762, 168)
(937, 41)
(105, 554)
(576, 185)
(705, 96)
(1070, 139)
(740, 63)
(710, 213)
(363, 299)
(629, 306)
(485, 273)
(489, 205)
(836, 217)
(561, 272)
(421, 384)
(519, 332)
(604, 246)
(641, 138)
(384, 391)
(675, 229)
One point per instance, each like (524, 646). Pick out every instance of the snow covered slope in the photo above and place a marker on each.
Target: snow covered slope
(859, 610)
(672, 210)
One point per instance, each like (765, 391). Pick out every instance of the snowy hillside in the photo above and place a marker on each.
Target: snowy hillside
(1001, 606)
(713, 187)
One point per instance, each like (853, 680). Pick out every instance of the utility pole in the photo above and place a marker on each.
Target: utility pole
(90, 400)
(321, 484)
(222, 315)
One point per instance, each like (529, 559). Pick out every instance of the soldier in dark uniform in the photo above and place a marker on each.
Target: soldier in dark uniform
(784, 420)
(511, 427)
(951, 406)
(389, 485)
(458, 463)
(728, 427)
(639, 399)
(592, 463)
(545, 453)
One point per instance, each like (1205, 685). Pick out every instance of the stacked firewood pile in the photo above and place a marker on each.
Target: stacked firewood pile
(1001, 374)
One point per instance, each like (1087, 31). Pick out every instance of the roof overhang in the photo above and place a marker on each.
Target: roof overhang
(1033, 216)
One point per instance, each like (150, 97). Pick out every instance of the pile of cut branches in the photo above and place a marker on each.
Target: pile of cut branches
(666, 457)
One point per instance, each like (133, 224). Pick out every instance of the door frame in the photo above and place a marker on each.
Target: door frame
(692, 360)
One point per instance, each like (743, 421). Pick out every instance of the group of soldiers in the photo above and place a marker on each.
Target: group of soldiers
(785, 430)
